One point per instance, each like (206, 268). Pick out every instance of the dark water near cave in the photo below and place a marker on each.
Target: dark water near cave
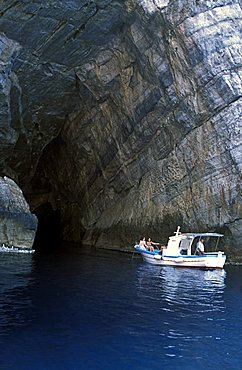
(103, 310)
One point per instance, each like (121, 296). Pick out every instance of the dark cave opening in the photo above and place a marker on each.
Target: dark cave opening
(48, 231)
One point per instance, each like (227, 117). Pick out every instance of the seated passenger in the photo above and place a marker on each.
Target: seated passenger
(142, 244)
(150, 245)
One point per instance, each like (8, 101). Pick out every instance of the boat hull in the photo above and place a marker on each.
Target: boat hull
(211, 260)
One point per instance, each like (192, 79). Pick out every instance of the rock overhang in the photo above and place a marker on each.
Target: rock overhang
(111, 106)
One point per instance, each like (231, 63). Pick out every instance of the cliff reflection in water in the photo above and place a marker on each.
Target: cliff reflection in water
(16, 275)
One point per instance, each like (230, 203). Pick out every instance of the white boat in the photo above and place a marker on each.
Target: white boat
(180, 252)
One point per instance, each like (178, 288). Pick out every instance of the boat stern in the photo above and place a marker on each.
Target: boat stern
(216, 260)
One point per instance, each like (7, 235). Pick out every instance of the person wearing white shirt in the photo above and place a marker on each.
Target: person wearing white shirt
(200, 247)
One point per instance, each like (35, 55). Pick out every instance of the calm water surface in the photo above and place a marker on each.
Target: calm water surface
(103, 310)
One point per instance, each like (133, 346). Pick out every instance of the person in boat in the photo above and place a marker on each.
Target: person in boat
(151, 244)
(142, 244)
(200, 247)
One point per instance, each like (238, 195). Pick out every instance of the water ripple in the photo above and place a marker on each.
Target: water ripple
(13, 249)
(105, 311)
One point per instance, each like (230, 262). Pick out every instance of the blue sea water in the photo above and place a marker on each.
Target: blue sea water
(92, 309)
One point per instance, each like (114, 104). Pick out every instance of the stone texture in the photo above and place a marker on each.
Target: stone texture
(17, 224)
(126, 115)
(8, 82)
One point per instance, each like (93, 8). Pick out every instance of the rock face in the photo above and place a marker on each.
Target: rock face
(17, 224)
(125, 116)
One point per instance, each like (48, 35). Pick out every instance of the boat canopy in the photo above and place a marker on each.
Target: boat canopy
(194, 235)
(181, 242)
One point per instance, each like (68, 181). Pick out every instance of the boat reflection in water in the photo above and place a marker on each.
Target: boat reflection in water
(193, 290)
(187, 310)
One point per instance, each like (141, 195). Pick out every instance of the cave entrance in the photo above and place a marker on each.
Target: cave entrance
(48, 231)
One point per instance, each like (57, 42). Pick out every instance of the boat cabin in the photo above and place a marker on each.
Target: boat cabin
(182, 244)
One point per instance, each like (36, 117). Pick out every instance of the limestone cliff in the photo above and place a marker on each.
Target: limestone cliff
(125, 116)
(17, 224)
